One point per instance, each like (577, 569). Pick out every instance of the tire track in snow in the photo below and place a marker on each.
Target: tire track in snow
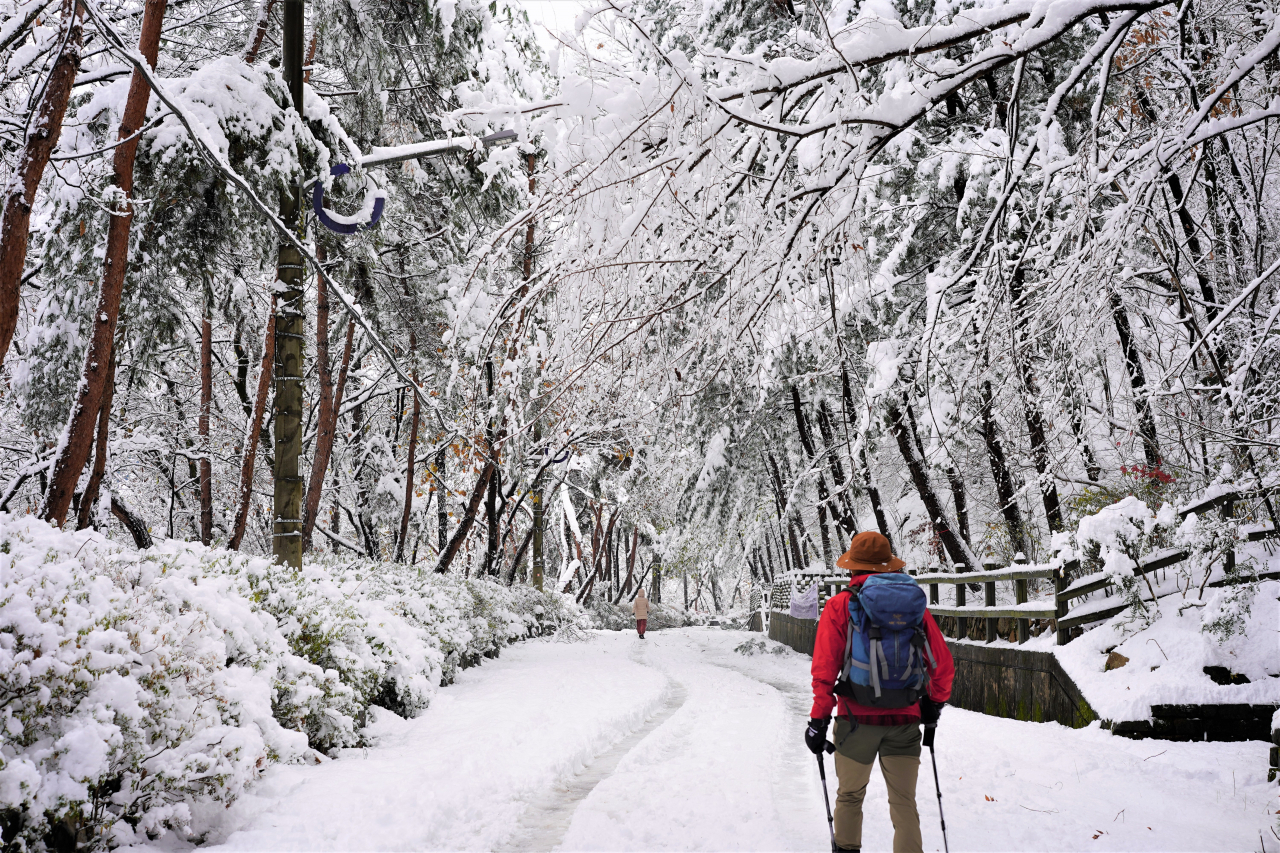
(545, 822)
(796, 786)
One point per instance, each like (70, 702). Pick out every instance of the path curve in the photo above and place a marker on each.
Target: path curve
(544, 824)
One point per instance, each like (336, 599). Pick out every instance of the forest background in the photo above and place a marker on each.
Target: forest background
(749, 277)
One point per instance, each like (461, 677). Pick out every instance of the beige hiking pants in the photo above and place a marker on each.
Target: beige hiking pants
(898, 748)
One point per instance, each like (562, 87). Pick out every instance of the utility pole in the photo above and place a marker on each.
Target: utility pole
(289, 331)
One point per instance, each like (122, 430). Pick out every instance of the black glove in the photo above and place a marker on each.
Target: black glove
(930, 711)
(815, 736)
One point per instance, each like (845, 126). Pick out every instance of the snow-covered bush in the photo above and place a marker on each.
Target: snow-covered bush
(1219, 576)
(1116, 537)
(134, 685)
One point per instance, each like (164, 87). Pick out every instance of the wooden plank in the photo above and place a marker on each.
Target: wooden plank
(1208, 503)
(980, 577)
(1033, 611)
(1073, 591)
(1161, 560)
(1097, 615)
(1225, 498)
(1259, 533)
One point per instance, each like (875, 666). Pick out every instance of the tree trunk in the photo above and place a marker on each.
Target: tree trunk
(324, 407)
(329, 404)
(539, 519)
(825, 503)
(873, 494)
(610, 561)
(202, 423)
(519, 555)
(137, 527)
(78, 438)
(655, 584)
(250, 451)
(1138, 382)
(1091, 467)
(1005, 491)
(847, 518)
(491, 497)
(413, 449)
(782, 549)
(15, 220)
(954, 545)
(290, 367)
(259, 32)
(783, 514)
(324, 449)
(957, 496)
(1031, 408)
(468, 518)
(90, 497)
(442, 508)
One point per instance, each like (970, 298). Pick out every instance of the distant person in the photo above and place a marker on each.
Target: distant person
(640, 607)
(893, 674)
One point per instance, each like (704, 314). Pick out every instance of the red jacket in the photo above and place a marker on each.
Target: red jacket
(828, 657)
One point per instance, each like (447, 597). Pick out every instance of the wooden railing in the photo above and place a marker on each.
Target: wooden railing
(1022, 610)
(1063, 616)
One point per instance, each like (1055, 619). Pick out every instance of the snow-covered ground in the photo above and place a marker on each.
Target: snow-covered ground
(680, 742)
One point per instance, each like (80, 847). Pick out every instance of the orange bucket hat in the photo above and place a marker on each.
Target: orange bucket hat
(869, 552)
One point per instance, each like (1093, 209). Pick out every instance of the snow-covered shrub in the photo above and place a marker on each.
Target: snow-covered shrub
(134, 686)
(1117, 536)
(129, 685)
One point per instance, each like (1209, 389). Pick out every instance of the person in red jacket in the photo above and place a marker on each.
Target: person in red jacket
(862, 733)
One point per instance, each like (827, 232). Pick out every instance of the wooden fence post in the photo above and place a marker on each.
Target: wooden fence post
(989, 599)
(1228, 511)
(1024, 624)
(962, 622)
(1060, 605)
(933, 587)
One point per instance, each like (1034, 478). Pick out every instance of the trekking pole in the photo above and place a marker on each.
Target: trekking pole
(928, 741)
(826, 798)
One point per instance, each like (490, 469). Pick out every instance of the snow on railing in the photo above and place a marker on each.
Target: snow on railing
(1062, 617)
(1022, 610)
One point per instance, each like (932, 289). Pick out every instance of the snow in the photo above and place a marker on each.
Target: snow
(885, 360)
(714, 460)
(385, 155)
(679, 742)
(177, 675)
(1167, 659)
(456, 778)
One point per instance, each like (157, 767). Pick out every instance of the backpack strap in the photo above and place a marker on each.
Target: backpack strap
(848, 640)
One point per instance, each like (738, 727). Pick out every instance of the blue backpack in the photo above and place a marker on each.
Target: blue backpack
(884, 658)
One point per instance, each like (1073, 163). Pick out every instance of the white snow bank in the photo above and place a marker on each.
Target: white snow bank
(459, 776)
(1167, 658)
(135, 686)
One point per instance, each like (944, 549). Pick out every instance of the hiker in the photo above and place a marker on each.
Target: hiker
(641, 609)
(880, 708)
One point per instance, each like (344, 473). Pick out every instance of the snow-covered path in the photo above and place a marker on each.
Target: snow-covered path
(681, 743)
